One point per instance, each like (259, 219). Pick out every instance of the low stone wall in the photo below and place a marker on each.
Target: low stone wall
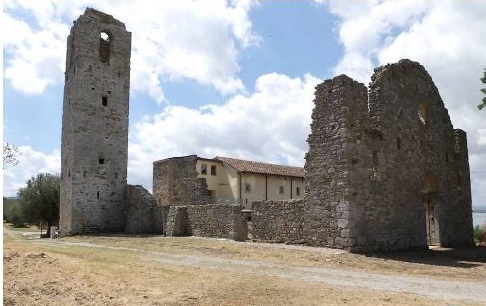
(278, 221)
(219, 221)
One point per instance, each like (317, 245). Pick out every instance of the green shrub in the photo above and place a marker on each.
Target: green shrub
(478, 234)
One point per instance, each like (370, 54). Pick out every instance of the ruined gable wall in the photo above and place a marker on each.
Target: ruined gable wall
(278, 221)
(175, 182)
(375, 162)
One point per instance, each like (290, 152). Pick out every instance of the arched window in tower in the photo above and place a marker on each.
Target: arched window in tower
(105, 45)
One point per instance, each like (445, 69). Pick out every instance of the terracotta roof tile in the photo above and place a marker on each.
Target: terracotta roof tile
(263, 168)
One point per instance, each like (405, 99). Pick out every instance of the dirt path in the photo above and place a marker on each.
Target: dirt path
(424, 286)
(155, 270)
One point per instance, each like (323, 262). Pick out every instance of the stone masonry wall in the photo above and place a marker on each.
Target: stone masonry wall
(216, 220)
(141, 207)
(278, 221)
(219, 221)
(385, 168)
(94, 148)
(175, 182)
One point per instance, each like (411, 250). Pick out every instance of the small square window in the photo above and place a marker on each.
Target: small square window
(104, 101)
(213, 169)
(101, 161)
(204, 169)
(281, 190)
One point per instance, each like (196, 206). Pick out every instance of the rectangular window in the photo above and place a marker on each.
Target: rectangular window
(213, 170)
(248, 187)
(104, 101)
(101, 161)
(297, 191)
(204, 169)
(281, 190)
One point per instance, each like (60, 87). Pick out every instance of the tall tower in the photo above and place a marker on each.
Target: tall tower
(95, 125)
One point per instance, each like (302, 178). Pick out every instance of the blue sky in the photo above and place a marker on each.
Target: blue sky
(236, 78)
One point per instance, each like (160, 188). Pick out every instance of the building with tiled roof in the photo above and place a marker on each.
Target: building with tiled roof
(246, 166)
(232, 180)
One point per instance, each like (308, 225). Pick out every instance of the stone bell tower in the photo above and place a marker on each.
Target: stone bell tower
(95, 125)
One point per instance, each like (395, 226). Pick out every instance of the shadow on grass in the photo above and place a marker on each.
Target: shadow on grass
(457, 258)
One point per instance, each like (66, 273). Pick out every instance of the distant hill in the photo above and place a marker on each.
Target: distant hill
(479, 209)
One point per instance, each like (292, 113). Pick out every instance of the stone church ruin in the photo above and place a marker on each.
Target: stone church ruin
(385, 170)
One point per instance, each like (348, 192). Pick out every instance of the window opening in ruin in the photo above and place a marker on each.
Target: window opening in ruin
(98, 195)
(74, 69)
(297, 191)
(69, 173)
(248, 187)
(84, 173)
(398, 143)
(104, 101)
(204, 169)
(105, 41)
(422, 113)
(281, 189)
(101, 161)
(213, 169)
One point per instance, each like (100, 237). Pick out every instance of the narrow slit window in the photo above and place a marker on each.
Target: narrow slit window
(297, 191)
(104, 101)
(98, 195)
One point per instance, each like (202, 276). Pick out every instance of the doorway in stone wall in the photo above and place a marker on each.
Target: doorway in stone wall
(431, 223)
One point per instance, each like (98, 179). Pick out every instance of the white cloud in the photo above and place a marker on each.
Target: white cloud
(30, 164)
(446, 37)
(270, 125)
(171, 40)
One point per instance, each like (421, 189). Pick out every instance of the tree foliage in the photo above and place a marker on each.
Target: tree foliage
(40, 200)
(10, 153)
(483, 90)
(13, 212)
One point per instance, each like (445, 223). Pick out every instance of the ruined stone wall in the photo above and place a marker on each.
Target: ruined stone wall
(278, 221)
(140, 211)
(214, 220)
(177, 222)
(387, 170)
(95, 125)
(175, 182)
(334, 147)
